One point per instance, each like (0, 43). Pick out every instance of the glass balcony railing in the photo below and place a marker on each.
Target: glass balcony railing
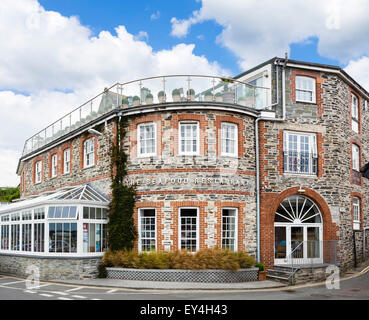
(153, 91)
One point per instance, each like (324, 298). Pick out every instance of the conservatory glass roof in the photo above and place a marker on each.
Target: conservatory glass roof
(76, 193)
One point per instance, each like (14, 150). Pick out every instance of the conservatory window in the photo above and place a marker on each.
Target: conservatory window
(5, 237)
(229, 139)
(229, 229)
(147, 139)
(39, 236)
(38, 172)
(39, 214)
(67, 212)
(189, 138)
(89, 153)
(188, 229)
(354, 113)
(305, 89)
(94, 237)
(147, 230)
(27, 215)
(63, 237)
(94, 213)
(26, 237)
(54, 165)
(66, 161)
(15, 230)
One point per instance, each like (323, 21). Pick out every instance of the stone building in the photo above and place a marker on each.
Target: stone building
(267, 162)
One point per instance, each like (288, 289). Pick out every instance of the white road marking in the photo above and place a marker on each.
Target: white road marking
(29, 291)
(74, 289)
(46, 295)
(95, 299)
(113, 290)
(13, 282)
(79, 297)
(58, 292)
(64, 298)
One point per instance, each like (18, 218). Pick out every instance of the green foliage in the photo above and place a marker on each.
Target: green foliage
(214, 258)
(102, 273)
(161, 94)
(136, 98)
(261, 266)
(176, 92)
(218, 94)
(208, 93)
(149, 95)
(121, 229)
(125, 100)
(191, 92)
(9, 194)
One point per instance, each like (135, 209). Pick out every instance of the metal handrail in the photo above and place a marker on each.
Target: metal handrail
(290, 258)
(114, 96)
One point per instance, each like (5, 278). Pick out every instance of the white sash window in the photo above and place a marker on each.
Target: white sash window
(66, 164)
(147, 139)
(54, 166)
(300, 153)
(38, 172)
(305, 89)
(89, 152)
(189, 140)
(229, 134)
(355, 157)
(354, 113)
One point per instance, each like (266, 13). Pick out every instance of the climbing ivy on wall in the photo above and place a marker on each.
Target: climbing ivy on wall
(121, 229)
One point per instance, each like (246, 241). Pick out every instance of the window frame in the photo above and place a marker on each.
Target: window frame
(54, 165)
(223, 152)
(140, 211)
(355, 162)
(197, 227)
(356, 212)
(85, 153)
(313, 151)
(38, 171)
(313, 91)
(66, 161)
(139, 153)
(355, 117)
(192, 153)
(235, 230)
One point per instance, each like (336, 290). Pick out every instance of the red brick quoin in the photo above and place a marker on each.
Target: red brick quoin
(269, 205)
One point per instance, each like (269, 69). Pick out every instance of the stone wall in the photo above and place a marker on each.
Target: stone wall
(50, 268)
(330, 119)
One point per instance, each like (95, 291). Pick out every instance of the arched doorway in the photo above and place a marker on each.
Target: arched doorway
(298, 232)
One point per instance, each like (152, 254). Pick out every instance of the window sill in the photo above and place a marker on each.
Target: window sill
(306, 102)
(306, 175)
(145, 156)
(88, 167)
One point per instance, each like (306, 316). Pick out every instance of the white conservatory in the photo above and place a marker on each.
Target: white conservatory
(68, 222)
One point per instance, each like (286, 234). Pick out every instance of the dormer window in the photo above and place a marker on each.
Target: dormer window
(305, 89)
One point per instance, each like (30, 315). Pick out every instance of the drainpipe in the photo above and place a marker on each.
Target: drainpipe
(277, 63)
(364, 241)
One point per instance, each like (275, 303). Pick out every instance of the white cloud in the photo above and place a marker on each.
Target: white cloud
(155, 16)
(359, 70)
(58, 62)
(256, 30)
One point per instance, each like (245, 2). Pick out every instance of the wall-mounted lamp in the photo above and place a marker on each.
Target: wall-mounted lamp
(300, 190)
(98, 133)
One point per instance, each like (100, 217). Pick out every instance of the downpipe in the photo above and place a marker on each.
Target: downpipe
(277, 63)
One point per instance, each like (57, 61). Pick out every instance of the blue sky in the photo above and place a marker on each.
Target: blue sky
(154, 17)
(57, 54)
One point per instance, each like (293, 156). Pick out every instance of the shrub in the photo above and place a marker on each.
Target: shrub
(176, 92)
(136, 98)
(214, 258)
(149, 95)
(208, 93)
(218, 94)
(102, 273)
(261, 266)
(161, 94)
(191, 92)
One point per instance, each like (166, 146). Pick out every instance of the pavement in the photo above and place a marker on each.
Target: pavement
(166, 285)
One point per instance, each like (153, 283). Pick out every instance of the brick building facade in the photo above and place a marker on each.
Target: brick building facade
(195, 165)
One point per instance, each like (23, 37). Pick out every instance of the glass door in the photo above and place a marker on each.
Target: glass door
(280, 244)
(296, 242)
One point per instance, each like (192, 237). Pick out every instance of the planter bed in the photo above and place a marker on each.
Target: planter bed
(179, 275)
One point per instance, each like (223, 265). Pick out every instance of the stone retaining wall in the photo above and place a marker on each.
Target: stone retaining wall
(210, 276)
(50, 268)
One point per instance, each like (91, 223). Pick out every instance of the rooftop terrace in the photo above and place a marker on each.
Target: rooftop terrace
(161, 90)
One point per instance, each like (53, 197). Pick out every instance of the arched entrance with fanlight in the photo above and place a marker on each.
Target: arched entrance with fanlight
(298, 232)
